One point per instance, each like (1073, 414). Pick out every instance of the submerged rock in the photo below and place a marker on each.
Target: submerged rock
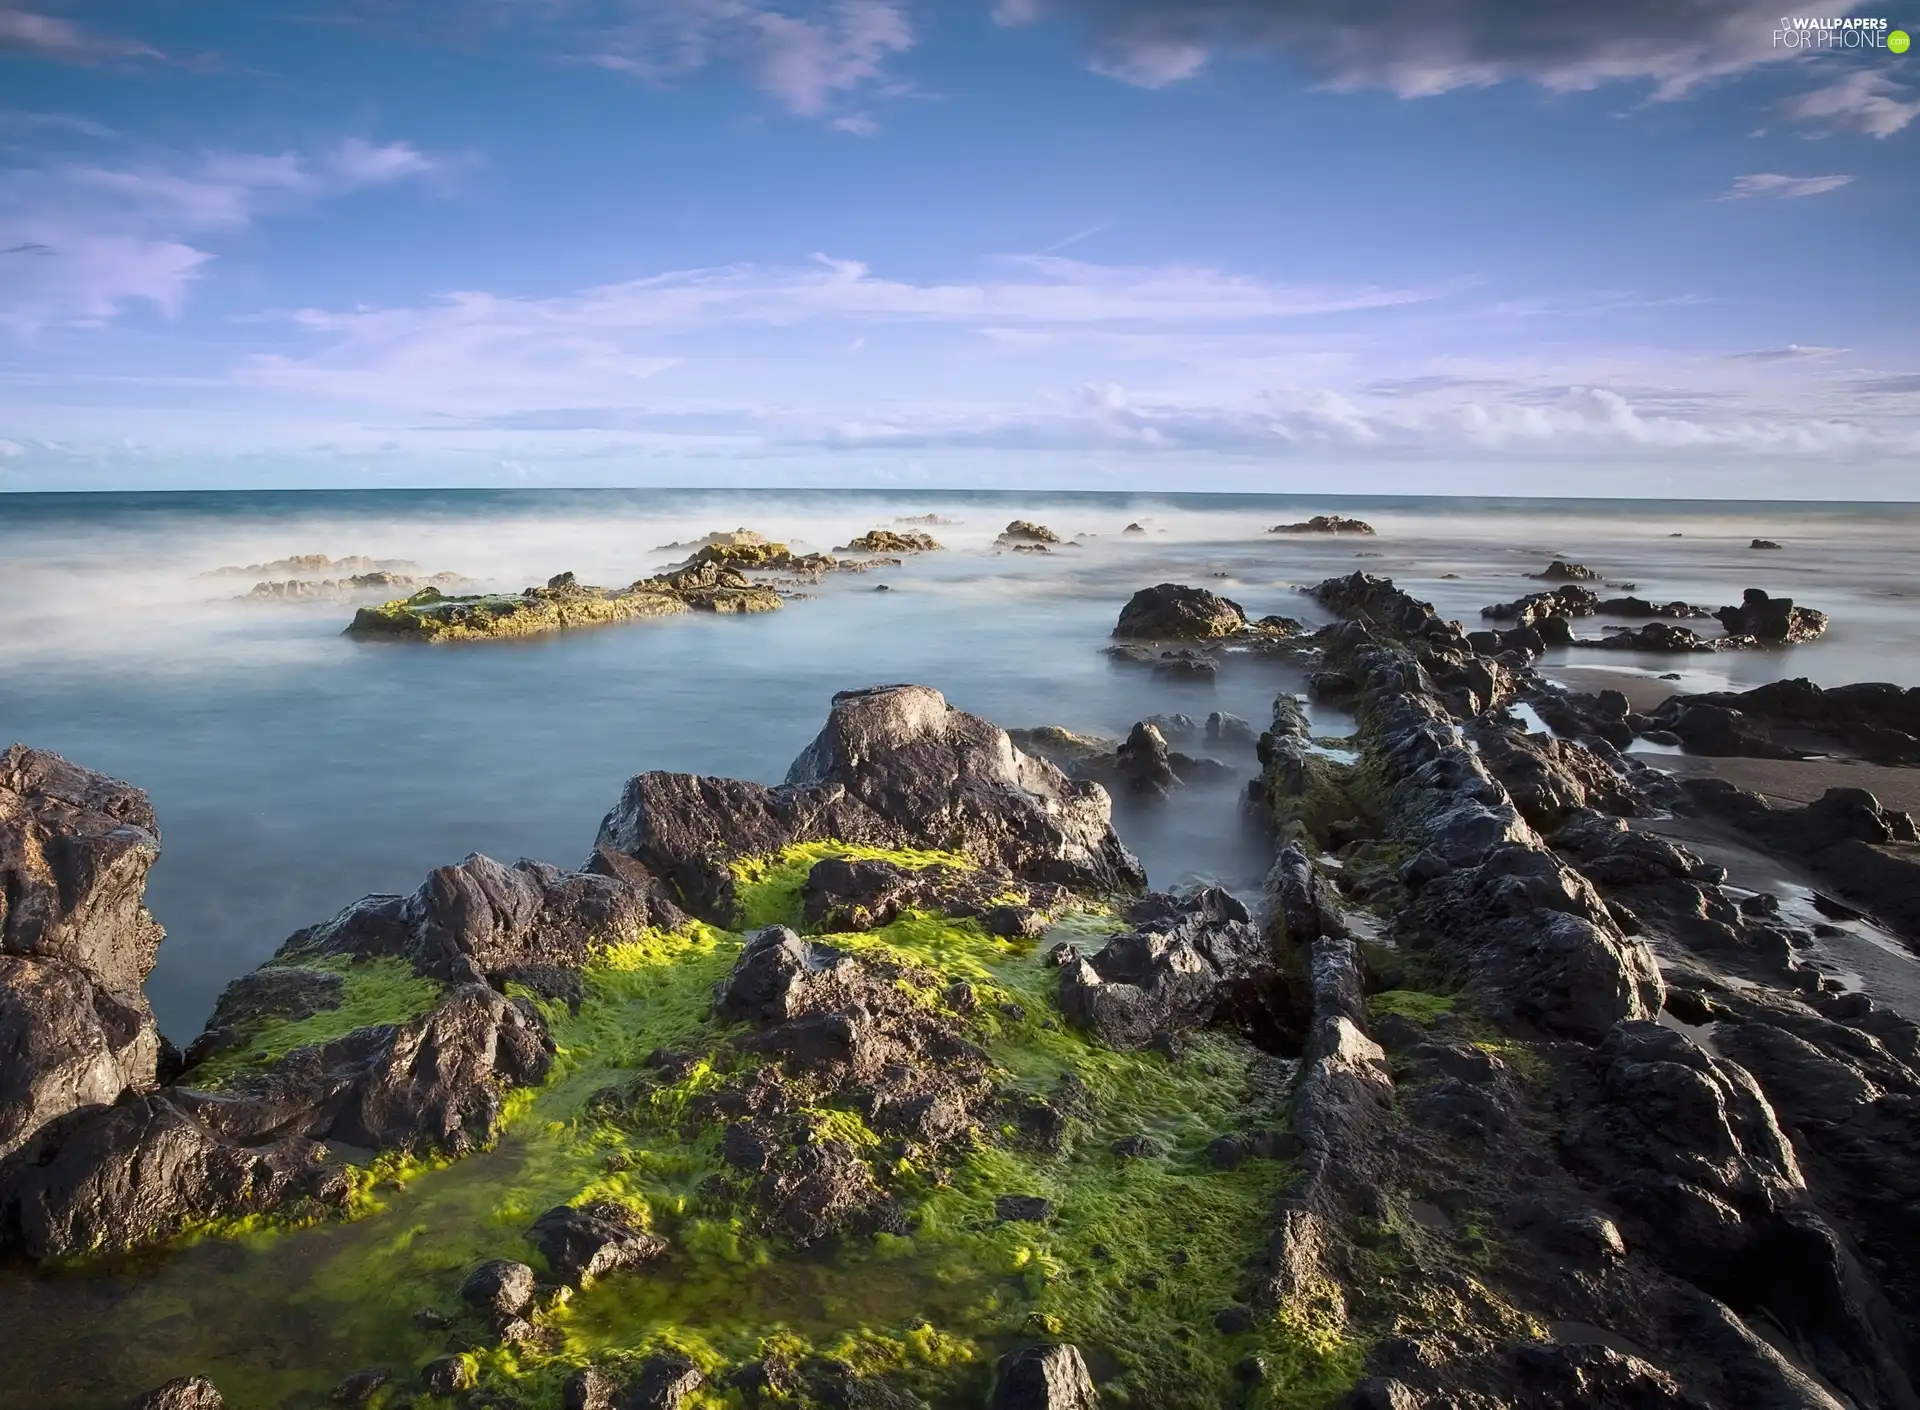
(896, 766)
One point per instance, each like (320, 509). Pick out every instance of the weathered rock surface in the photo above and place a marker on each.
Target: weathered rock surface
(581, 1243)
(1051, 1377)
(1025, 531)
(482, 919)
(1186, 961)
(896, 766)
(1879, 721)
(888, 541)
(185, 1393)
(1772, 621)
(1171, 612)
(1561, 571)
(76, 941)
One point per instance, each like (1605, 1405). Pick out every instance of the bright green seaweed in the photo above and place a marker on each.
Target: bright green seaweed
(1136, 1260)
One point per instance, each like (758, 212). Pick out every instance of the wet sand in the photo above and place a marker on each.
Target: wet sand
(1796, 782)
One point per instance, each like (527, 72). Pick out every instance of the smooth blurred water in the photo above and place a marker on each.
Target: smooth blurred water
(294, 770)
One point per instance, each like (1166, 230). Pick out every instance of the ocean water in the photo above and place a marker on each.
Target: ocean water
(294, 770)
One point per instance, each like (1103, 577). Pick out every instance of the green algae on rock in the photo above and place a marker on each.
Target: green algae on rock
(564, 604)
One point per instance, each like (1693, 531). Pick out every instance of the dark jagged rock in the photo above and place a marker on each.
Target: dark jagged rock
(1052, 1377)
(1537, 609)
(500, 1288)
(584, 1242)
(854, 895)
(1772, 621)
(1186, 961)
(1878, 720)
(895, 766)
(1548, 778)
(360, 1387)
(1324, 524)
(1640, 607)
(448, 1375)
(1703, 727)
(1133, 529)
(185, 1393)
(1145, 762)
(1869, 854)
(1134, 764)
(1561, 571)
(1657, 637)
(1223, 728)
(1171, 612)
(1470, 681)
(589, 1388)
(1763, 543)
(482, 918)
(664, 1383)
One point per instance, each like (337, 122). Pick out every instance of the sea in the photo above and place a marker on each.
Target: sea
(294, 769)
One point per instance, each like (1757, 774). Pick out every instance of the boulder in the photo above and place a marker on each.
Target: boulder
(1025, 531)
(184, 1393)
(1772, 621)
(1051, 1377)
(896, 766)
(584, 1242)
(1561, 571)
(1170, 612)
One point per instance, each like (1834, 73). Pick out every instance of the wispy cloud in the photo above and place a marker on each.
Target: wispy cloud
(810, 56)
(63, 40)
(1420, 47)
(107, 236)
(1864, 101)
(1774, 186)
(1792, 352)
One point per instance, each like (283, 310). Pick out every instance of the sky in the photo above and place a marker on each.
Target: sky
(1632, 248)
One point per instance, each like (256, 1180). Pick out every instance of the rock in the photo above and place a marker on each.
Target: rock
(1561, 571)
(1052, 1377)
(1717, 731)
(359, 1388)
(1536, 609)
(1772, 621)
(448, 1375)
(271, 992)
(581, 1243)
(896, 766)
(1024, 531)
(1223, 728)
(499, 1288)
(1145, 763)
(1382, 1393)
(1640, 607)
(1763, 543)
(589, 1389)
(1657, 637)
(1324, 524)
(1186, 960)
(1880, 721)
(1022, 1209)
(887, 541)
(664, 1383)
(1171, 612)
(1138, 1147)
(1186, 666)
(1133, 529)
(1233, 1321)
(76, 940)
(1549, 779)
(481, 915)
(183, 1393)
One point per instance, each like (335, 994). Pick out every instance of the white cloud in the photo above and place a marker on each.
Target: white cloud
(62, 40)
(1773, 185)
(83, 241)
(1863, 101)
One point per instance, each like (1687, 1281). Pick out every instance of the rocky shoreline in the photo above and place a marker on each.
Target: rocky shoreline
(893, 1085)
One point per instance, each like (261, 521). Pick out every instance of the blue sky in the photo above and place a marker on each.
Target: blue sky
(1480, 246)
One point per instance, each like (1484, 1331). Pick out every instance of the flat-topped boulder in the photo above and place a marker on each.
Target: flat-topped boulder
(1324, 524)
(895, 766)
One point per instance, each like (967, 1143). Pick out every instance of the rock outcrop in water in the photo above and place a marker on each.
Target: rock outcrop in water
(1878, 721)
(310, 567)
(1324, 524)
(888, 541)
(564, 604)
(1026, 532)
(379, 584)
